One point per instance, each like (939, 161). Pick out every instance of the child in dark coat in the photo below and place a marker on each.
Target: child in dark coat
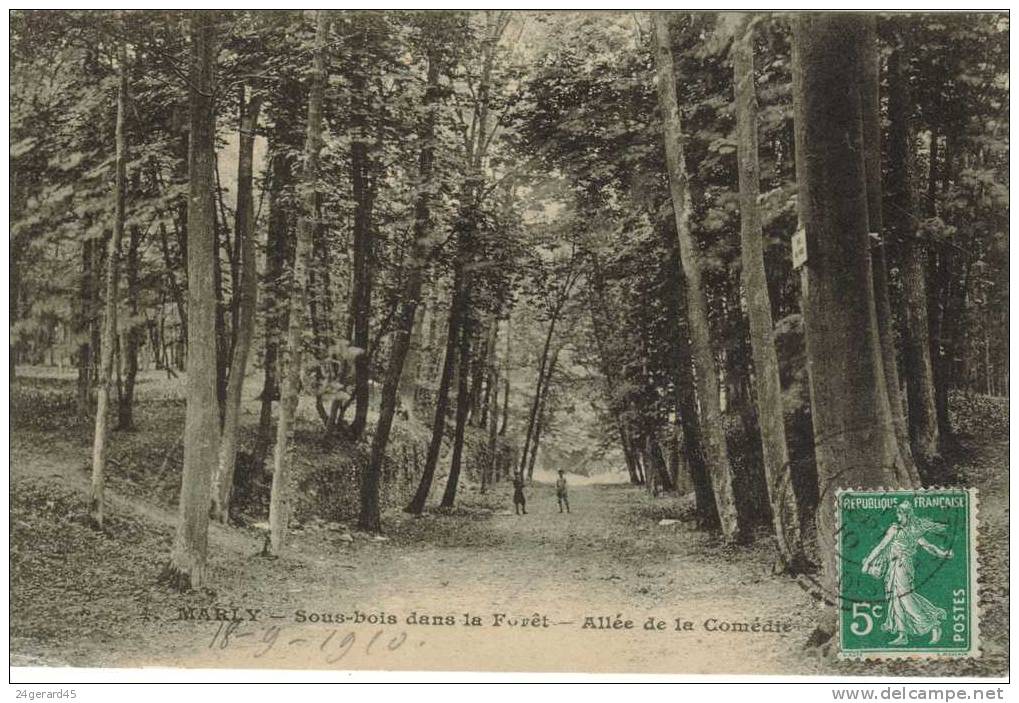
(560, 492)
(519, 501)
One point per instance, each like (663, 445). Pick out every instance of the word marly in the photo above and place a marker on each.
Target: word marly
(219, 614)
(654, 624)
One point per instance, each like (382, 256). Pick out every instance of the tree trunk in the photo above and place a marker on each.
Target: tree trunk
(488, 370)
(532, 418)
(135, 336)
(923, 421)
(686, 404)
(362, 278)
(506, 379)
(244, 226)
(415, 352)
(276, 259)
(370, 517)
(663, 479)
(320, 311)
(785, 516)
(938, 266)
(489, 470)
(854, 435)
(716, 453)
(187, 567)
(85, 322)
(222, 343)
(638, 462)
(417, 504)
(102, 432)
(678, 464)
(279, 501)
(944, 312)
(631, 464)
(952, 337)
(598, 307)
(14, 293)
(176, 293)
(942, 289)
(431, 364)
(540, 417)
(469, 216)
(870, 102)
(988, 368)
(96, 327)
(479, 363)
(462, 407)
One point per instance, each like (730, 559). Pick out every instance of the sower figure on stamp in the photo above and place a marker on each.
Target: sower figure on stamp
(909, 613)
(519, 501)
(560, 492)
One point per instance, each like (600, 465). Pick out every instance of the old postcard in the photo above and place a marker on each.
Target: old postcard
(654, 342)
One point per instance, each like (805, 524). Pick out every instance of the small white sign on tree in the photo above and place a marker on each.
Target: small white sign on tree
(799, 248)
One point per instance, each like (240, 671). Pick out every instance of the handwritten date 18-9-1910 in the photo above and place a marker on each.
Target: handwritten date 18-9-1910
(332, 645)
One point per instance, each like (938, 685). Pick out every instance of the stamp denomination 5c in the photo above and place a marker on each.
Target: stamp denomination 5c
(907, 573)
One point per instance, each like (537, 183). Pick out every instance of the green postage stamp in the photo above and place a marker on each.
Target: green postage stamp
(907, 580)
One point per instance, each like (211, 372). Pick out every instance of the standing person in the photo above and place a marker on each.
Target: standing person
(560, 492)
(519, 501)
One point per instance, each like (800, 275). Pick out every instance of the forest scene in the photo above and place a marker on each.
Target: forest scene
(331, 330)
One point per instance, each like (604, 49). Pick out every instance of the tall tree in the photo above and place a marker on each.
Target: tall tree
(85, 322)
(370, 518)
(505, 375)
(276, 258)
(568, 275)
(716, 453)
(785, 515)
(279, 501)
(480, 399)
(693, 434)
(870, 103)
(489, 470)
(601, 321)
(477, 140)
(187, 566)
(417, 503)
(133, 336)
(542, 414)
(475, 146)
(361, 286)
(854, 437)
(923, 419)
(102, 431)
(462, 407)
(542, 380)
(244, 227)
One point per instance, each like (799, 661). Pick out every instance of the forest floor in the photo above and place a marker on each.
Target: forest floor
(82, 598)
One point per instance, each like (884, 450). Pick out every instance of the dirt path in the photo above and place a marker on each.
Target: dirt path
(548, 570)
(532, 581)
